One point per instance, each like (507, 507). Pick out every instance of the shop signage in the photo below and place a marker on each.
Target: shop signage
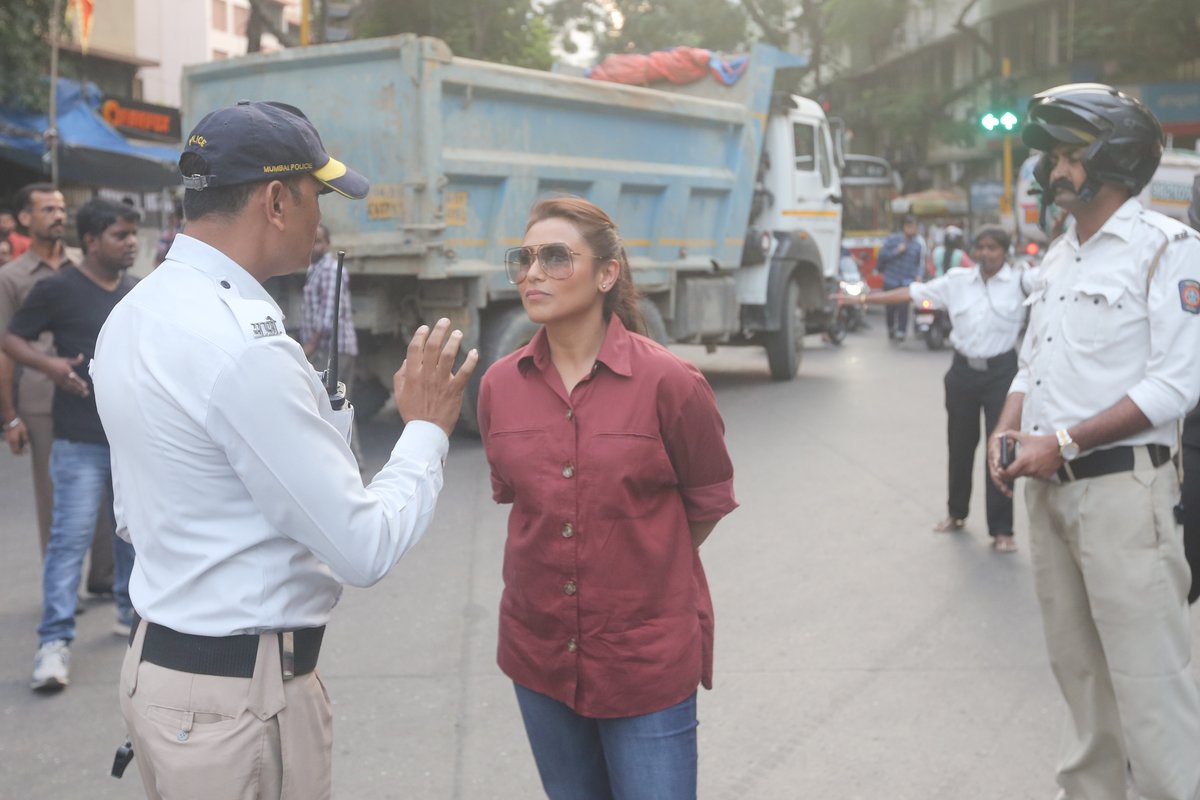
(143, 120)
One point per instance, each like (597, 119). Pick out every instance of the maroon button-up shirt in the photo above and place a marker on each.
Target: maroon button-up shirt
(605, 607)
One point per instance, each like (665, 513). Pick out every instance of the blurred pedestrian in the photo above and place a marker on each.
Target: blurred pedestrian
(901, 260)
(234, 481)
(986, 306)
(1190, 456)
(317, 324)
(951, 253)
(611, 451)
(6, 253)
(72, 305)
(8, 232)
(1110, 363)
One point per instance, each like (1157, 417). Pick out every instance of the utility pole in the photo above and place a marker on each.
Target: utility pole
(305, 22)
(52, 117)
(1006, 202)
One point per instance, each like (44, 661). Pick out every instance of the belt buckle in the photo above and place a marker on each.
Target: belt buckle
(977, 364)
(287, 654)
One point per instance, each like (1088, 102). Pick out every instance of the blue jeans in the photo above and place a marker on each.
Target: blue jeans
(648, 757)
(82, 477)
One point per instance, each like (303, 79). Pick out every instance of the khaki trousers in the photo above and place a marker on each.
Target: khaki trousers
(210, 738)
(40, 428)
(1112, 582)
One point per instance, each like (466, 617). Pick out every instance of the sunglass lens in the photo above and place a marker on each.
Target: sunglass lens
(556, 258)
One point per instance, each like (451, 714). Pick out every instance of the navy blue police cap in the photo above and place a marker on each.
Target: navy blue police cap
(254, 142)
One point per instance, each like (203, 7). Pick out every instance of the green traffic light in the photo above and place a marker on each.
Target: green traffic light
(1006, 120)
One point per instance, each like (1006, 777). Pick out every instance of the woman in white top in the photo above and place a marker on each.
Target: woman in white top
(986, 307)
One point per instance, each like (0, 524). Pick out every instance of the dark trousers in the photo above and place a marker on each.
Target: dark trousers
(897, 315)
(969, 391)
(1191, 515)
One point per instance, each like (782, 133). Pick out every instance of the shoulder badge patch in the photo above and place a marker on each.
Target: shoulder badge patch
(269, 327)
(1189, 296)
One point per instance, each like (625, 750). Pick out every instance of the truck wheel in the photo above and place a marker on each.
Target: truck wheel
(504, 330)
(368, 397)
(656, 329)
(786, 345)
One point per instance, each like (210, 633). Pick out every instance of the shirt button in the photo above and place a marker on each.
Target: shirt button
(182, 736)
(570, 588)
(224, 284)
(568, 470)
(1035, 427)
(568, 531)
(1049, 338)
(1038, 383)
(570, 413)
(572, 645)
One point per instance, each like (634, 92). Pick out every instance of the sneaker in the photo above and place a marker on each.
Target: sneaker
(122, 628)
(51, 666)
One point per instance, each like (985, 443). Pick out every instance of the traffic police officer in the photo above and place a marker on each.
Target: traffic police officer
(1110, 362)
(233, 476)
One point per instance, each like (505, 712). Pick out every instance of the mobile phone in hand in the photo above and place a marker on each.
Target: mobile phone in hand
(1008, 450)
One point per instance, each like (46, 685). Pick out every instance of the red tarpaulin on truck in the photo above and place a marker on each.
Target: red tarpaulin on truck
(678, 65)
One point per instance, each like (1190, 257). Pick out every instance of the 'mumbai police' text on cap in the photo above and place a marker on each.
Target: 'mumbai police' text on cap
(254, 142)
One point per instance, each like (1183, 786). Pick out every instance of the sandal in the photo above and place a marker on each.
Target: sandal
(1004, 543)
(950, 524)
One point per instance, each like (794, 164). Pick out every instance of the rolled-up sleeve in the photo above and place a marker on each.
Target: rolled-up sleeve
(302, 477)
(1171, 384)
(695, 443)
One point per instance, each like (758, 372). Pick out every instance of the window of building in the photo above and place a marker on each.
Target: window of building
(219, 55)
(241, 17)
(220, 15)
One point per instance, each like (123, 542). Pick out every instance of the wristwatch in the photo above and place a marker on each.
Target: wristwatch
(12, 423)
(1067, 447)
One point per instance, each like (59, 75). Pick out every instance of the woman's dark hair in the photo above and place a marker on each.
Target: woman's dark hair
(602, 236)
(996, 234)
(98, 214)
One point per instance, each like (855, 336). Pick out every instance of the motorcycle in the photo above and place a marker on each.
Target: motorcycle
(849, 317)
(931, 324)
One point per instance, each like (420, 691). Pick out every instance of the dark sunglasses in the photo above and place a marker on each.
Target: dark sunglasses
(556, 259)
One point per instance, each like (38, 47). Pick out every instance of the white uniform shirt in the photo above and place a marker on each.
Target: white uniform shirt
(987, 315)
(242, 500)
(1096, 334)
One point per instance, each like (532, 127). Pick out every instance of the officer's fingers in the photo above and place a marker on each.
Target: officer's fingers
(76, 360)
(433, 347)
(449, 353)
(463, 375)
(416, 348)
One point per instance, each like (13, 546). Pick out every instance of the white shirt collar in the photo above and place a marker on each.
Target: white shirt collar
(207, 259)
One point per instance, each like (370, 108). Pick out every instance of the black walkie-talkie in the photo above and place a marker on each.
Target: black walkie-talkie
(333, 387)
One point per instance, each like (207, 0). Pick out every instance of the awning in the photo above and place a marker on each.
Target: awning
(90, 151)
(932, 203)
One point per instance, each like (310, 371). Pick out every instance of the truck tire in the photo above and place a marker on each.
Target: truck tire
(369, 397)
(786, 345)
(504, 330)
(656, 329)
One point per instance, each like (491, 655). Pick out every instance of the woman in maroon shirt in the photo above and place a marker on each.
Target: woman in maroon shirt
(612, 453)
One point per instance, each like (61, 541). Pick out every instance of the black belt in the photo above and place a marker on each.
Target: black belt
(983, 364)
(1114, 459)
(227, 656)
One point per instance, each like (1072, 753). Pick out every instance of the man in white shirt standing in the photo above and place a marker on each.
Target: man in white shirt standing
(233, 476)
(1110, 362)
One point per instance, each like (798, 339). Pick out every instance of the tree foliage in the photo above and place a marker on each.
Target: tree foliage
(25, 55)
(506, 31)
(642, 26)
(1137, 39)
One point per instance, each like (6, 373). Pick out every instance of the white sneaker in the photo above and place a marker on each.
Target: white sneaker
(122, 629)
(51, 666)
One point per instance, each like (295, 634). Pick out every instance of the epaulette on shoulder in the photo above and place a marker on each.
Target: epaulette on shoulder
(256, 319)
(1173, 229)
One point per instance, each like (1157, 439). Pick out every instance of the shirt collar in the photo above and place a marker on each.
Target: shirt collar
(614, 350)
(1005, 273)
(1120, 224)
(30, 262)
(212, 262)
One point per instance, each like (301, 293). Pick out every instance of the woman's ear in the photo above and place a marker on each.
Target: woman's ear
(608, 274)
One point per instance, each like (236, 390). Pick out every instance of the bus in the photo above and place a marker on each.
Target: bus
(867, 191)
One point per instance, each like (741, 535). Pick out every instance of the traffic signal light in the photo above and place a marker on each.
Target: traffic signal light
(999, 120)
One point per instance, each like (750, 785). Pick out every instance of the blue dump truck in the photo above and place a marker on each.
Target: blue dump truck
(728, 197)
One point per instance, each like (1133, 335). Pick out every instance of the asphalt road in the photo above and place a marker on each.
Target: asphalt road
(858, 654)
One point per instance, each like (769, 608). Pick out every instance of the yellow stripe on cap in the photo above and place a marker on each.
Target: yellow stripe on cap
(332, 170)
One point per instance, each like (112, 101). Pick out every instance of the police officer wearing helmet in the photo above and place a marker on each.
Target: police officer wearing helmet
(234, 478)
(1110, 362)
